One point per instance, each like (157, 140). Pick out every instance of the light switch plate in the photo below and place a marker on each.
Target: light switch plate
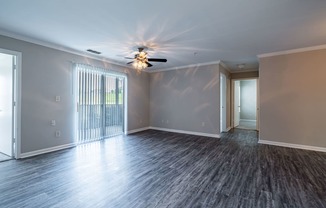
(53, 123)
(57, 98)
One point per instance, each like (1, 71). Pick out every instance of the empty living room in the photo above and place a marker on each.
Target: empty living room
(157, 104)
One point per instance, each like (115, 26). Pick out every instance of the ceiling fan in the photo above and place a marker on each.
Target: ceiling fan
(141, 61)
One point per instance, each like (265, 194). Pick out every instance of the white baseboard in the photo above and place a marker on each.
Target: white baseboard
(186, 132)
(46, 150)
(248, 120)
(297, 146)
(137, 130)
(228, 129)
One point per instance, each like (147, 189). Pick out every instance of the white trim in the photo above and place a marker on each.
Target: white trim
(228, 129)
(225, 66)
(85, 54)
(185, 67)
(137, 130)
(186, 132)
(245, 70)
(248, 120)
(61, 48)
(125, 103)
(47, 150)
(258, 100)
(297, 146)
(298, 50)
(258, 105)
(244, 79)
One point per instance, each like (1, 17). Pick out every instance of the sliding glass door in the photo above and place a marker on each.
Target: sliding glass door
(100, 103)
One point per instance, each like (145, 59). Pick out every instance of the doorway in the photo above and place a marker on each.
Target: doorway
(245, 110)
(9, 104)
(101, 103)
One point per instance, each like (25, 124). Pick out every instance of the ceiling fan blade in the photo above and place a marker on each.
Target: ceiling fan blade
(130, 62)
(148, 64)
(128, 58)
(157, 60)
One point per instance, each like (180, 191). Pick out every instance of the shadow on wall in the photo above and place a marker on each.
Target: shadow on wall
(185, 99)
(280, 122)
(138, 98)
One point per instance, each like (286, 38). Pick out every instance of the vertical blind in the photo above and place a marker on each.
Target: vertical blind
(100, 103)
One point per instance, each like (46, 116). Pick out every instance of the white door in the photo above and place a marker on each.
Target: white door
(236, 103)
(6, 103)
(222, 103)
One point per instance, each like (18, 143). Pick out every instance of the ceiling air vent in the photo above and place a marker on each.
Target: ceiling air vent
(92, 51)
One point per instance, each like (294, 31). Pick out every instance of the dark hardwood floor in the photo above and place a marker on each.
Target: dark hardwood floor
(160, 169)
(4, 157)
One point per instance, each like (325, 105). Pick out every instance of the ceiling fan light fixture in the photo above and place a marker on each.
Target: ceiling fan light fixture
(142, 54)
(139, 65)
(141, 61)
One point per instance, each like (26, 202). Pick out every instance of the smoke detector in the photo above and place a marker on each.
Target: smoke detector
(241, 66)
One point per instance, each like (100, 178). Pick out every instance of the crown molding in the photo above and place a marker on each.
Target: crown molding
(298, 50)
(58, 47)
(225, 66)
(84, 54)
(186, 66)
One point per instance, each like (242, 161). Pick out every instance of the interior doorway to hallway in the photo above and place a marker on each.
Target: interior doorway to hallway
(245, 107)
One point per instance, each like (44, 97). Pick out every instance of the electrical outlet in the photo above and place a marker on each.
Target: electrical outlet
(57, 98)
(57, 133)
(167, 121)
(162, 121)
(202, 123)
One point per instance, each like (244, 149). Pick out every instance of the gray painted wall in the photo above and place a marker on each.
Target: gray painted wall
(185, 98)
(292, 98)
(46, 73)
(248, 99)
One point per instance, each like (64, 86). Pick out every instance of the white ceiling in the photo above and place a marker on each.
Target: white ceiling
(186, 32)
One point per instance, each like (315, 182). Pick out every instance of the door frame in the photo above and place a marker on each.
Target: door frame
(16, 102)
(223, 94)
(233, 103)
(257, 99)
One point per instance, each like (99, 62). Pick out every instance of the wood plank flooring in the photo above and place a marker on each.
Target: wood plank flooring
(161, 169)
(247, 124)
(4, 157)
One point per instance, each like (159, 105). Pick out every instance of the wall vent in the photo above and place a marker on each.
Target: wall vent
(92, 51)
